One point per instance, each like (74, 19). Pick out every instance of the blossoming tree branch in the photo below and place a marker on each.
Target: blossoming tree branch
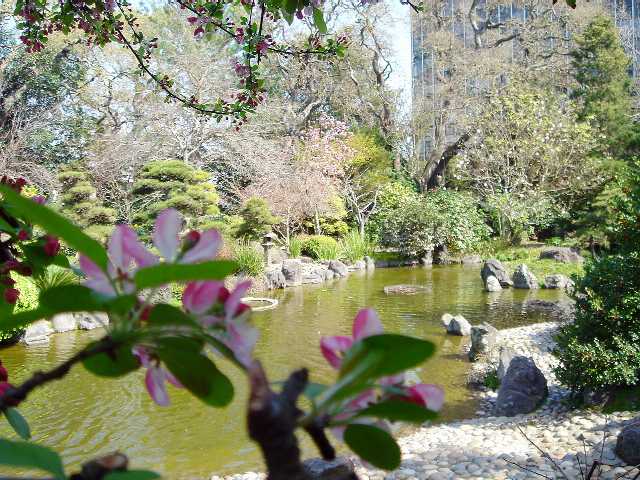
(181, 347)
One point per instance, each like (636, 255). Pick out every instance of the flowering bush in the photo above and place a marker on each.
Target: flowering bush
(172, 344)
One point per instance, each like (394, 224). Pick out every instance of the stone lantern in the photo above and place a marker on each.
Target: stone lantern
(268, 241)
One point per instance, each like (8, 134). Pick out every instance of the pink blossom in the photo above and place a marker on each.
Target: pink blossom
(51, 246)
(426, 395)
(365, 324)
(156, 376)
(262, 46)
(224, 312)
(166, 239)
(39, 199)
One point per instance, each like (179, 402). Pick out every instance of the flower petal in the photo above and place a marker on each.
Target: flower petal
(198, 297)
(427, 395)
(135, 249)
(366, 324)
(206, 248)
(120, 258)
(143, 355)
(154, 380)
(96, 279)
(332, 349)
(232, 304)
(172, 379)
(242, 340)
(166, 231)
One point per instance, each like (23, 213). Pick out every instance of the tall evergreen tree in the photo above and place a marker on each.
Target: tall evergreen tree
(80, 203)
(604, 85)
(173, 184)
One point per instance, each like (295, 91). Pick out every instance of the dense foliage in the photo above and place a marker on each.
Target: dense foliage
(600, 349)
(257, 220)
(440, 218)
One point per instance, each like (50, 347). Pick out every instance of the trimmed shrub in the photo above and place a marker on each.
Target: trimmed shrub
(249, 260)
(354, 247)
(321, 247)
(257, 219)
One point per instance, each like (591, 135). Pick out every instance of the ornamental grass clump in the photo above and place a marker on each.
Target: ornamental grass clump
(354, 247)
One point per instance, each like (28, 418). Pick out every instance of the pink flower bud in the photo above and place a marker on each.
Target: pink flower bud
(51, 246)
(23, 235)
(11, 295)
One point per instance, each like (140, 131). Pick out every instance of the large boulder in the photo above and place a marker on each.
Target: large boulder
(446, 319)
(37, 333)
(495, 268)
(558, 281)
(628, 444)
(64, 322)
(91, 321)
(275, 279)
(427, 258)
(523, 388)
(483, 339)
(292, 271)
(459, 326)
(338, 469)
(524, 278)
(339, 268)
(492, 284)
(562, 254)
(313, 273)
(505, 357)
(358, 265)
(563, 310)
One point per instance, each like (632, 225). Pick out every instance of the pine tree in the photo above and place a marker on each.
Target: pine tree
(80, 204)
(165, 184)
(604, 85)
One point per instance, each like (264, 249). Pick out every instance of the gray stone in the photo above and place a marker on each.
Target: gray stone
(338, 469)
(558, 281)
(358, 265)
(37, 333)
(90, 321)
(403, 289)
(504, 360)
(275, 279)
(495, 268)
(483, 339)
(427, 259)
(595, 398)
(305, 259)
(562, 254)
(370, 263)
(441, 255)
(64, 322)
(561, 310)
(628, 444)
(339, 268)
(292, 270)
(446, 319)
(328, 274)
(523, 278)
(523, 388)
(492, 284)
(471, 259)
(459, 326)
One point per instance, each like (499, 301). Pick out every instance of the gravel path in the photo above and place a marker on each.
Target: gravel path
(485, 447)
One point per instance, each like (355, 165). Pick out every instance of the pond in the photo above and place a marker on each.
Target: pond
(83, 416)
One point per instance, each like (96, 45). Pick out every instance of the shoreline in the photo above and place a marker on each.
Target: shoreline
(484, 446)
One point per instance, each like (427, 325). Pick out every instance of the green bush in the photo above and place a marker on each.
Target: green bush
(295, 247)
(600, 349)
(249, 260)
(257, 219)
(55, 277)
(321, 247)
(354, 247)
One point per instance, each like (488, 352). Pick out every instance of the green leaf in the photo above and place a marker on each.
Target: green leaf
(71, 298)
(398, 411)
(119, 363)
(196, 371)
(373, 445)
(318, 19)
(55, 224)
(5, 227)
(21, 319)
(571, 3)
(18, 423)
(400, 352)
(313, 390)
(163, 315)
(164, 273)
(132, 475)
(290, 6)
(23, 454)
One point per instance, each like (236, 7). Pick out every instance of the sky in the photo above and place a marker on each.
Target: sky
(400, 39)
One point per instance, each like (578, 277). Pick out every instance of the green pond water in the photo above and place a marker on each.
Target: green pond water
(83, 416)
